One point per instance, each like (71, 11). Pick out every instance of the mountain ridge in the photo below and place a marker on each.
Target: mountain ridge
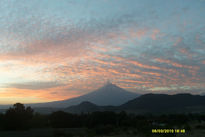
(153, 103)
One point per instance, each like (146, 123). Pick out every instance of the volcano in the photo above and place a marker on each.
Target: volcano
(108, 95)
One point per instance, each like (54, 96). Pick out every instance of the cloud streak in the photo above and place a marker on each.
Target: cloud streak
(57, 53)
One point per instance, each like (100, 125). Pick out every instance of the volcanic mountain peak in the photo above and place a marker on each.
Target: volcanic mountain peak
(109, 94)
(109, 87)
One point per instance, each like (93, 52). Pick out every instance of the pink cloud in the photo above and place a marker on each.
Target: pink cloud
(155, 33)
(175, 64)
(178, 41)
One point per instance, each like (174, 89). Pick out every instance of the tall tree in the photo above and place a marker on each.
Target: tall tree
(18, 117)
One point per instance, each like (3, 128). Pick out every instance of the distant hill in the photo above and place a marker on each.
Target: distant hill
(83, 107)
(88, 107)
(109, 94)
(163, 102)
(202, 94)
(150, 103)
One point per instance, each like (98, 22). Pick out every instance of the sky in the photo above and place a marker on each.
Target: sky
(59, 49)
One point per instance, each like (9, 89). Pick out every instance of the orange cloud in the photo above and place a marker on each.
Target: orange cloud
(175, 64)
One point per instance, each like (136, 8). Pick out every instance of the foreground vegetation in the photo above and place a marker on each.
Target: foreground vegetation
(20, 121)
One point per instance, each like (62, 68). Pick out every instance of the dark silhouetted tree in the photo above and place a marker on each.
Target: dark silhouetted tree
(1, 121)
(18, 117)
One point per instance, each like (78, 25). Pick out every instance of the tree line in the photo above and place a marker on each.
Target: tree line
(20, 117)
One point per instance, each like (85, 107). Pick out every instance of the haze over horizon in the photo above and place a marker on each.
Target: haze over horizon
(54, 50)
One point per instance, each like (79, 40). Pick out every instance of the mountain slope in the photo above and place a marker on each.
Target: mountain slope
(110, 94)
(88, 107)
(83, 107)
(163, 102)
(150, 103)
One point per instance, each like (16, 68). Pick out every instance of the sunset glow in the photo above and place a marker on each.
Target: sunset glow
(59, 49)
